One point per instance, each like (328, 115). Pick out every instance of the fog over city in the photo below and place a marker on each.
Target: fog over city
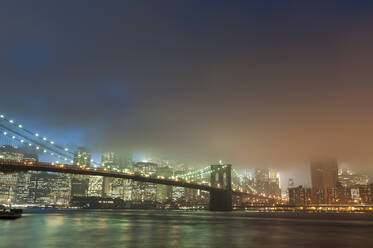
(245, 84)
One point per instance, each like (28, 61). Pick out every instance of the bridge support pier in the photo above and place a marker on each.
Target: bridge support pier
(220, 200)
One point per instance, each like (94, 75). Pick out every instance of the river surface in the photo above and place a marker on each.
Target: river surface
(142, 228)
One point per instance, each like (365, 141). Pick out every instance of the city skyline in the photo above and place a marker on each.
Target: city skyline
(300, 176)
(330, 183)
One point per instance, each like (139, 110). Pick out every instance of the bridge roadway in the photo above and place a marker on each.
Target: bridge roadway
(14, 166)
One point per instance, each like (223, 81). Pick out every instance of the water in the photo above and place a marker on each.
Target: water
(180, 229)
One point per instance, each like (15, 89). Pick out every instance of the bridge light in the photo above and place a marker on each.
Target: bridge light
(45, 151)
(13, 137)
(37, 135)
(29, 144)
(5, 133)
(66, 149)
(37, 148)
(44, 138)
(22, 141)
(52, 142)
(1, 116)
(20, 126)
(11, 121)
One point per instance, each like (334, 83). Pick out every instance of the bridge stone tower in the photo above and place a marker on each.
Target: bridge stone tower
(221, 198)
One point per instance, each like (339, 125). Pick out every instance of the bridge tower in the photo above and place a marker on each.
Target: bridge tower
(221, 198)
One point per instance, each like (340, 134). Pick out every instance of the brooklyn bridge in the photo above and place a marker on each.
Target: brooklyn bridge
(219, 181)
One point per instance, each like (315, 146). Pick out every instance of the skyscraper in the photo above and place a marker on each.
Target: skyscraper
(267, 182)
(79, 183)
(324, 176)
(82, 157)
(8, 182)
(164, 192)
(110, 160)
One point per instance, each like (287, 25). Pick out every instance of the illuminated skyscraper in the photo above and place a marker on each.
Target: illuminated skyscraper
(324, 176)
(267, 182)
(8, 182)
(80, 183)
(49, 189)
(10, 153)
(95, 186)
(164, 192)
(144, 191)
(82, 157)
(110, 160)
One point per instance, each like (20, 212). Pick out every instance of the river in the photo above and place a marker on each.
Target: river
(149, 228)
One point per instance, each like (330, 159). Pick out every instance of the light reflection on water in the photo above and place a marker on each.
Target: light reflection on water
(179, 229)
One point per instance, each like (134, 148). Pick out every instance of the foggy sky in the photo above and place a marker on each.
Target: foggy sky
(254, 83)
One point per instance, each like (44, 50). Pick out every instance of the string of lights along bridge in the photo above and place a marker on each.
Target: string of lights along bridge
(16, 133)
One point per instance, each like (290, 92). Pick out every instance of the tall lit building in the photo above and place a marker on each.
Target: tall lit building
(95, 186)
(109, 160)
(23, 185)
(324, 176)
(267, 182)
(82, 157)
(8, 185)
(49, 189)
(10, 153)
(300, 196)
(164, 192)
(8, 182)
(80, 183)
(144, 191)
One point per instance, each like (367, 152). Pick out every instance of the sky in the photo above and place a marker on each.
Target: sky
(253, 83)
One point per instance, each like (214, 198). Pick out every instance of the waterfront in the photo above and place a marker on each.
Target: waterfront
(143, 228)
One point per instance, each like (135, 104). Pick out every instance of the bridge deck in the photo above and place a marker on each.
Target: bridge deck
(13, 166)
